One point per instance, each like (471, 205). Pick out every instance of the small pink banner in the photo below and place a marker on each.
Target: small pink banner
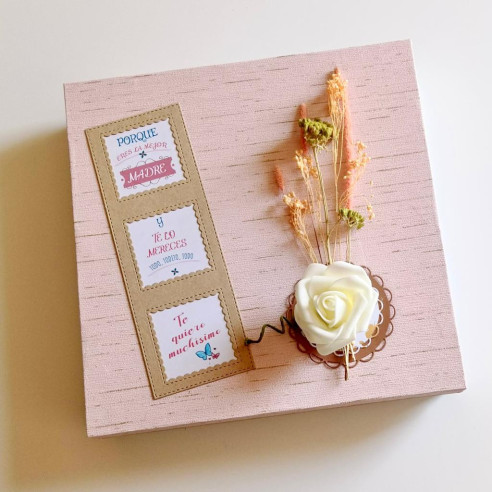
(147, 172)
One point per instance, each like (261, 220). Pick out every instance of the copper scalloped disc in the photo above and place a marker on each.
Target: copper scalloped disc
(365, 353)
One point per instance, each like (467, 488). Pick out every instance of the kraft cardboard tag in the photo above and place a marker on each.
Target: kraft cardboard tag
(179, 291)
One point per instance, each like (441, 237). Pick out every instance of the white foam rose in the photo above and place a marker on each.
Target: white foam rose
(333, 304)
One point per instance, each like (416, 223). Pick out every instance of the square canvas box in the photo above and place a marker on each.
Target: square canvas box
(242, 120)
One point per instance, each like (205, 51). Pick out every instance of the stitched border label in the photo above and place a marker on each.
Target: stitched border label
(168, 245)
(144, 158)
(168, 251)
(193, 337)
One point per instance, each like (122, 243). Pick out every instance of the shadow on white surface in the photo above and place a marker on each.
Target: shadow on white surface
(47, 442)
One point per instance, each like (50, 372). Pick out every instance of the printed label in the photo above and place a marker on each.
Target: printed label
(192, 336)
(168, 245)
(144, 158)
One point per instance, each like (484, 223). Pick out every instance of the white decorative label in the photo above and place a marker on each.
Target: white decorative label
(144, 158)
(168, 245)
(192, 336)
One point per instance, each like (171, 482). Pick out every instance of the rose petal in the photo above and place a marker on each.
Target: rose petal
(319, 284)
(333, 304)
(337, 344)
(332, 307)
(306, 312)
(314, 269)
(341, 269)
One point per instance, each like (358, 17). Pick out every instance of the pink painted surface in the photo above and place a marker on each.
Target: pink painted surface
(241, 120)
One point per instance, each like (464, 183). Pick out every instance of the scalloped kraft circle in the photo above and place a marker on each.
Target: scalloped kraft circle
(365, 348)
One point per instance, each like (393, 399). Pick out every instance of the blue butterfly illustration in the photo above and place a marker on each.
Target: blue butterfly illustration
(208, 354)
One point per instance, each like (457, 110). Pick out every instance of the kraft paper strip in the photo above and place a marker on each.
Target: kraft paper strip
(178, 288)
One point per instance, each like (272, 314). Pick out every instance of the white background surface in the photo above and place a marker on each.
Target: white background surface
(439, 443)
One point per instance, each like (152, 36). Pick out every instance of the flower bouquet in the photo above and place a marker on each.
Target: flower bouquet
(340, 313)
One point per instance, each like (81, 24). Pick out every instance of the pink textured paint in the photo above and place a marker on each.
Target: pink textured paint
(241, 120)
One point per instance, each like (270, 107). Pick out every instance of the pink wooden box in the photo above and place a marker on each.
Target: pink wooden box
(241, 120)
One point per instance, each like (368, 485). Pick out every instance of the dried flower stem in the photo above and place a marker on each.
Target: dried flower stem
(354, 169)
(302, 115)
(348, 351)
(325, 206)
(307, 171)
(315, 227)
(304, 164)
(298, 209)
(336, 89)
(348, 156)
(347, 163)
(354, 165)
(349, 244)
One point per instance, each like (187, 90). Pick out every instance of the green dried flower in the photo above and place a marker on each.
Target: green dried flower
(351, 217)
(317, 133)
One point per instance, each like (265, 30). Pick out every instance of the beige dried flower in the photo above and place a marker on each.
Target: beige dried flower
(337, 89)
(305, 165)
(354, 171)
(297, 211)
